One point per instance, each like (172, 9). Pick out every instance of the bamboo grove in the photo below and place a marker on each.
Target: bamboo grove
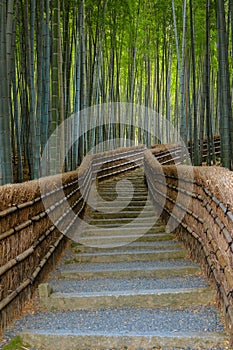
(61, 57)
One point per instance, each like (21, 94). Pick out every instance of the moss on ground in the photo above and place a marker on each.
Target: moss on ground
(15, 344)
(74, 245)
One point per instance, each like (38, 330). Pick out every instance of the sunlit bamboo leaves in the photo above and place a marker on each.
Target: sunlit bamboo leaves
(61, 57)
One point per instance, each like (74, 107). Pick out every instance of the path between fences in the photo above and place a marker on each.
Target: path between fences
(118, 288)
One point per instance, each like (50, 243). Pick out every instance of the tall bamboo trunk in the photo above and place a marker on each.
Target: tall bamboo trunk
(6, 171)
(224, 87)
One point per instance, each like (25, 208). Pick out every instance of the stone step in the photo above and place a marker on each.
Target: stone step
(127, 328)
(102, 225)
(124, 214)
(136, 205)
(142, 255)
(121, 240)
(120, 208)
(124, 197)
(83, 341)
(135, 187)
(122, 221)
(111, 223)
(98, 285)
(137, 177)
(139, 185)
(160, 298)
(135, 197)
(158, 245)
(132, 200)
(142, 194)
(129, 229)
(152, 269)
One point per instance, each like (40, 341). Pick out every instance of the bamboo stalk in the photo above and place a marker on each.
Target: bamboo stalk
(13, 295)
(7, 234)
(8, 211)
(23, 225)
(15, 261)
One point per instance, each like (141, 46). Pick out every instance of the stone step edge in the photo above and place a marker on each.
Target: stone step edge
(138, 227)
(118, 241)
(125, 221)
(131, 237)
(82, 341)
(132, 252)
(128, 214)
(117, 273)
(124, 257)
(100, 224)
(170, 244)
(45, 287)
(157, 299)
(111, 209)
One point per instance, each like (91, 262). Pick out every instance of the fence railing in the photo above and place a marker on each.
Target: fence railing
(175, 154)
(36, 217)
(197, 202)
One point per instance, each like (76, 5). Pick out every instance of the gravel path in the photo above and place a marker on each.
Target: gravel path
(133, 284)
(149, 265)
(130, 321)
(152, 244)
(133, 252)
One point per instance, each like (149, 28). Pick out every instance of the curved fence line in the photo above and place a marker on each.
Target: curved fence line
(171, 154)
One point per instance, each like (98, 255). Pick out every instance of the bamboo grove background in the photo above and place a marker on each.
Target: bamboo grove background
(60, 57)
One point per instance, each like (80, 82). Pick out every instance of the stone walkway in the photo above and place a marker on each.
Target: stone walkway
(125, 284)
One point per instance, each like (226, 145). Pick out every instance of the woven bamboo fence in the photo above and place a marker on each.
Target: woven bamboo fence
(203, 198)
(175, 153)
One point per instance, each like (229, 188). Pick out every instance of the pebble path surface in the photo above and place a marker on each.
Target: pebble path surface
(117, 284)
(122, 265)
(124, 320)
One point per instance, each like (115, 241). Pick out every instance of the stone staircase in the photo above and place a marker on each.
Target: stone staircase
(126, 284)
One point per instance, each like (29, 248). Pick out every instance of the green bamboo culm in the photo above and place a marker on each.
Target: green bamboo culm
(225, 109)
(6, 171)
